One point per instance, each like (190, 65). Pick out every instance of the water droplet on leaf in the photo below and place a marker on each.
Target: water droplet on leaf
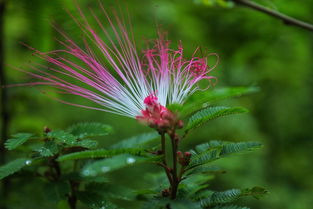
(28, 162)
(130, 160)
(105, 169)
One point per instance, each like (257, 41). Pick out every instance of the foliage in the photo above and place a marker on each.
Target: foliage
(74, 168)
(18, 140)
(12, 167)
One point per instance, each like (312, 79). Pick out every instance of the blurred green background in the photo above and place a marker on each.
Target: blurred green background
(254, 50)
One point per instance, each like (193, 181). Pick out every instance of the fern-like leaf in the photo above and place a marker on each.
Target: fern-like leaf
(94, 200)
(50, 148)
(136, 141)
(214, 150)
(12, 167)
(87, 143)
(17, 140)
(201, 99)
(114, 163)
(230, 207)
(221, 197)
(62, 137)
(85, 130)
(100, 153)
(210, 113)
(240, 147)
(204, 157)
(256, 192)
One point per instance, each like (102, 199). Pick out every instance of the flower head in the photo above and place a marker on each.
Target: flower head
(110, 72)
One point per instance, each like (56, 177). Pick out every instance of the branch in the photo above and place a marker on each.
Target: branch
(286, 19)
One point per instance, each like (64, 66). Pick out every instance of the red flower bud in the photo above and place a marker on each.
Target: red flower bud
(46, 129)
(180, 124)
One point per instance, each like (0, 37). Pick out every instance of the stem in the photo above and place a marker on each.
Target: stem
(174, 171)
(286, 19)
(164, 165)
(72, 199)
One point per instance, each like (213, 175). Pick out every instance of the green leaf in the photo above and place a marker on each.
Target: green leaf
(112, 190)
(114, 163)
(229, 207)
(62, 137)
(183, 204)
(221, 198)
(13, 167)
(57, 191)
(18, 140)
(205, 169)
(195, 183)
(85, 130)
(87, 143)
(257, 192)
(239, 147)
(50, 148)
(228, 147)
(99, 153)
(136, 141)
(204, 157)
(94, 200)
(214, 150)
(202, 99)
(210, 113)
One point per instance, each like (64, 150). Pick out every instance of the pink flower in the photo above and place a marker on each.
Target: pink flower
(111, 73)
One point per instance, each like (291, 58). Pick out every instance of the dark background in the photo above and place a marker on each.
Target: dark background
(254, 50)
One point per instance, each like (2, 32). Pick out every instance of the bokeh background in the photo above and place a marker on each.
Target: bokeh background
(254, 50)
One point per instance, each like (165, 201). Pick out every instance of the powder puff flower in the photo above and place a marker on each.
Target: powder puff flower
(111, 73)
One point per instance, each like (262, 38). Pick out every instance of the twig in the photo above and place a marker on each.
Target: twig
(286, 19)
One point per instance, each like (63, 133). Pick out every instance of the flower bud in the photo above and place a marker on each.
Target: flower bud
(46, 129)
(180, 124)
(187, 155)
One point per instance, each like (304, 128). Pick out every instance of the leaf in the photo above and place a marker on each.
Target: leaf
(195, 183)
(112, 190)
(257, 192)
(94, 200)
(85, 130)
(62, 137)
(210, 113)
(183, 204)
(205, 169)
(229, 207)
(231, 148)
(87, 143)
(136, 141)
(204, 157)
(99, 153)
(18, 140)
(57, 191)
(221, 198)
(214, 150)
(114, 163)
(13, 167)
(202, 99)
(50, 148)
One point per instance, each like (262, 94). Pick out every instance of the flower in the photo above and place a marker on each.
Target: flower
(111, 73)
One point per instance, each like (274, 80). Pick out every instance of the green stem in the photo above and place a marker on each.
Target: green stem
(164, 165)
